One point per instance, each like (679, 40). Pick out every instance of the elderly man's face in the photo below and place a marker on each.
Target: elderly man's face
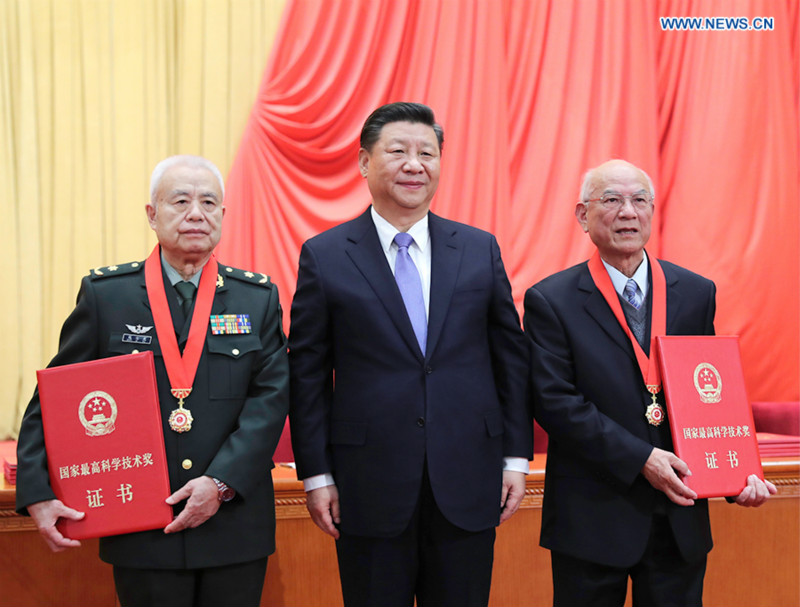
(187, 216)
(402, 168)
(619, 234)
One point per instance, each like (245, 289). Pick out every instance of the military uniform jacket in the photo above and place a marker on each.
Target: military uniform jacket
(239, 402)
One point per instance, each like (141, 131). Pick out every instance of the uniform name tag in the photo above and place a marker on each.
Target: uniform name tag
(130, 338)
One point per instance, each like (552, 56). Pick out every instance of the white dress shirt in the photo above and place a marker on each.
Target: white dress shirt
(641, 277)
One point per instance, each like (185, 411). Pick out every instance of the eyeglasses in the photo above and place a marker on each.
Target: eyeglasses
(614, 200)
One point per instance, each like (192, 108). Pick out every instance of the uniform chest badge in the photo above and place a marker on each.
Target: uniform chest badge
(230, 324)
(137, 335)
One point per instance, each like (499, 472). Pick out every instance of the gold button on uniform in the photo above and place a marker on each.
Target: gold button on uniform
(187, 464)
(235, 351)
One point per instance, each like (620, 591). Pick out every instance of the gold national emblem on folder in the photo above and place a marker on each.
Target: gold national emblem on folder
(98, 412)
(708, 383)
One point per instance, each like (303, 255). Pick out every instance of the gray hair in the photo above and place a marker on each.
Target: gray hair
(588, 179)
(183, 159)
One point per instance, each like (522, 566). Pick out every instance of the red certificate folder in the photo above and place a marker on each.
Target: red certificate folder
(105, 445)
(709, 414)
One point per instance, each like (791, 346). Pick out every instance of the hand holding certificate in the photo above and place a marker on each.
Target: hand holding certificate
(709, 414)
(105, 445)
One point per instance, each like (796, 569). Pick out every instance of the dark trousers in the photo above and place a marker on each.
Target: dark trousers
(236, 585)
(660, 579)
(432, 559)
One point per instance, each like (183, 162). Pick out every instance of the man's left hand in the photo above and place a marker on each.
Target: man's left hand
(201, 505)
(513, 492)
(756, 492)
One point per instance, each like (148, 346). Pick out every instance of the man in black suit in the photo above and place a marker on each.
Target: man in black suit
(408, 397)
(615, 505)
(215, 550)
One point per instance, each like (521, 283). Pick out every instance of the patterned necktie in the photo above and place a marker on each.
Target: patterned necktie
(410, 285)
(186, 290)
(632, 294)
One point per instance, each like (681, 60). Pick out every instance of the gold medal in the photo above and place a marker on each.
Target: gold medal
(654, 413)
(180, 420)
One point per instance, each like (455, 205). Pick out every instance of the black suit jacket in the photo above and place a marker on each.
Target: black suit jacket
(239, 402)
(590, 397)
(368, 407)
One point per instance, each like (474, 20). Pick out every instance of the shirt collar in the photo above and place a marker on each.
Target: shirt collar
(174, 276)
(386, 231)
(640, 276)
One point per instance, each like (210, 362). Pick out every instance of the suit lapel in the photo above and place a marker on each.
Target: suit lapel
(217, 306)
(145, 299)
(597, 307)
(446, 254)
(364, 249)
(673, 299)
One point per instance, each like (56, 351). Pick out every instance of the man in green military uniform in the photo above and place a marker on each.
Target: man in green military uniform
(220, 442)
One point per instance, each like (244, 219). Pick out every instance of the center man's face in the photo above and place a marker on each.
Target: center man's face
(187, 216)
(402, 168)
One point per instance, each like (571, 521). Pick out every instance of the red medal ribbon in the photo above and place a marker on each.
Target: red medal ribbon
(651, 374)
(180, 369)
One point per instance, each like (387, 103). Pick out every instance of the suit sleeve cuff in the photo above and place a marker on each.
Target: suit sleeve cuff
(516, 464)
(318, 481)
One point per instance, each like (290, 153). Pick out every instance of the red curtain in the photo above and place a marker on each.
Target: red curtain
(531, 94)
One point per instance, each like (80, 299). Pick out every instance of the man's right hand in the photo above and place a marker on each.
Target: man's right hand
(45, 514)
(323, 506)
(662, 470)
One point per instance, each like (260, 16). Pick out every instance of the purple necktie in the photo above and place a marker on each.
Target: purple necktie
(632, 293)
(407, 277)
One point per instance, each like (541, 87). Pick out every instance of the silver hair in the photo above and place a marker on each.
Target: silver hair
(588, 178)
(184, 159)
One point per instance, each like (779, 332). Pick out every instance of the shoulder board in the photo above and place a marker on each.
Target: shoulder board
(255, 278)
(107, 271)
